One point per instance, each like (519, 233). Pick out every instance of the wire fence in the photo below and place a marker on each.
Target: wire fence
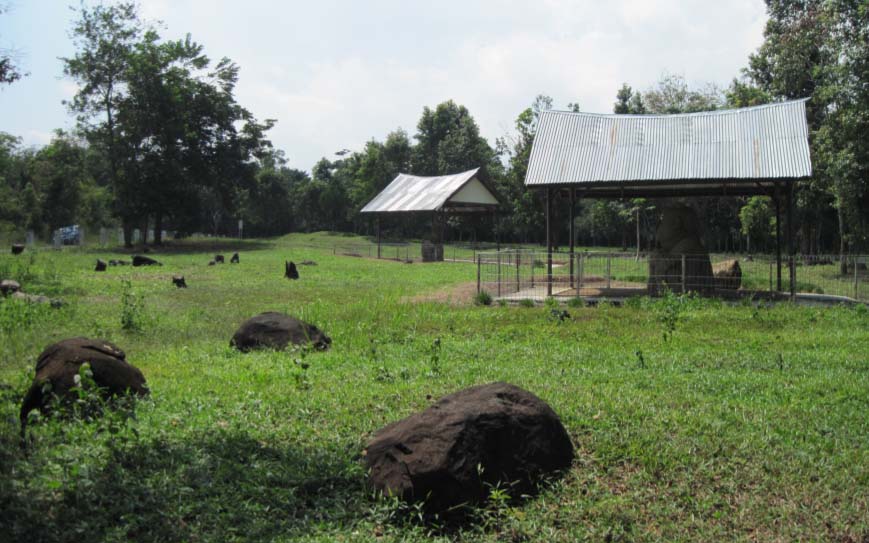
(524, 274)
(411, 251)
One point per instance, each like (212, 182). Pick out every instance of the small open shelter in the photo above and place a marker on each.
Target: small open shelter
(438, 196)
(760, 150)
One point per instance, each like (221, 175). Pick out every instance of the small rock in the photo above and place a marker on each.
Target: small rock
(178, 281)
(307, 263)
(218, 259)
(139, 260)
(290, 270)
(8, 286)
(37, 299)
(101, 266)
(211, 263)
(234, 259)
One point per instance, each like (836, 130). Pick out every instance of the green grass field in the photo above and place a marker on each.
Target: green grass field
(744, 423)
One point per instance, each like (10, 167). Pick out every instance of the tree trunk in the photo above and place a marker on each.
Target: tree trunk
(144, 230)
(158, 229)
(127, 225)
(843, 246)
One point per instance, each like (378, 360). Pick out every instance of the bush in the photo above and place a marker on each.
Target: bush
(483, 298)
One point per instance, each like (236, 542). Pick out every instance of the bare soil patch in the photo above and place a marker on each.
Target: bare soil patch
(455, 295)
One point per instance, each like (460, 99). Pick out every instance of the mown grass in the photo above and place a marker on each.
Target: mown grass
(745, 422)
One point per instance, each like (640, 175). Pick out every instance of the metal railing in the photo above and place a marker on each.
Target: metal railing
(524, 274)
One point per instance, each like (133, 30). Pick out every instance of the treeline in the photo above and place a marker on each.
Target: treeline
(161, 142)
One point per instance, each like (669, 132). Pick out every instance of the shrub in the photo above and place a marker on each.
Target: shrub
(483, 298)
(526, 302)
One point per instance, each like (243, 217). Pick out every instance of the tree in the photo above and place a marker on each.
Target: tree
(449, 141)
(105, 37)
(757, 221)
(672, 95)
(179, 145)
(820, 49)
(9, 70)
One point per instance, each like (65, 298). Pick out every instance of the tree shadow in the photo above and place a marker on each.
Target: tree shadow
(216, 486)
(189, 247)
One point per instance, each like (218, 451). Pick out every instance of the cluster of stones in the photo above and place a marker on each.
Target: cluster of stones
(12, 289)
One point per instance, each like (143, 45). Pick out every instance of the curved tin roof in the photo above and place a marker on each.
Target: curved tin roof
(758, 143)
(416, 193)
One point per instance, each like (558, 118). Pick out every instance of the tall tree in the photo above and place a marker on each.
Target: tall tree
(818, 49)
(105, 37)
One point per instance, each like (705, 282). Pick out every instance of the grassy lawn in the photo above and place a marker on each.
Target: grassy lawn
(748, 423)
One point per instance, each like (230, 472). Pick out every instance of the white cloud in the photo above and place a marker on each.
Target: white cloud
(336, 74)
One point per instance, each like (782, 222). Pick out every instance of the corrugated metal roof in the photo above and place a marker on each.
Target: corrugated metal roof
(416, 193)
(763, 142)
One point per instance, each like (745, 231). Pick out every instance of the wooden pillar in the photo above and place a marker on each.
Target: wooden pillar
(790, 234)
(776, 198)
(572, 233)
(548, 241)
(378, 236)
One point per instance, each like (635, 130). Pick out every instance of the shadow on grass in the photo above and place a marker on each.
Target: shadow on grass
(188, 247)
(221, 485)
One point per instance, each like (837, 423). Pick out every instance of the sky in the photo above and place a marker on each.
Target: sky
(335, 74)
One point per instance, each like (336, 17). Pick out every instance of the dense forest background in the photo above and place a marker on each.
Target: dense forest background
(161, 143)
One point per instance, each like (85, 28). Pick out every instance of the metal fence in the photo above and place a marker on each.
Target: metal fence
(519, 274)
(410, 251)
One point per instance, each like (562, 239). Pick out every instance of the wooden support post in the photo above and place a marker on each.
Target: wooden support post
(791, 250)
(531, 265)
(572, 233)
(777, 201)
(548, 241)
(684, 272)
(609, 259)
(581, 272)
(856, 280)
(479, 259)
(378, 237)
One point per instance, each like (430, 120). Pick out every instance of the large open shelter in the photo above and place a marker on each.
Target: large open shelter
(438, 196)
(759, 150)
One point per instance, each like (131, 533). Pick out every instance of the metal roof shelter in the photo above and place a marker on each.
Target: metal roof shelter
(441, 195)
(457, 193)
(758, 150)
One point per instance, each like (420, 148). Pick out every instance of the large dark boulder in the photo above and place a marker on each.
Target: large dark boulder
(139, 260)
(451, 453)
(17, 248)
(57, 371)
(178, 281)
(234, 259)
(275, 331)
(101, 265)
(218, 259)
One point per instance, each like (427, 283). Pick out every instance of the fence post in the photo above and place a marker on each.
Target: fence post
(478, 273)
(683, 274)
(518, 268)
(499, 273)
(531, 262)
(609, 258)
(581, 267)
(855, 277)
(770, 275)
(793, 266)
